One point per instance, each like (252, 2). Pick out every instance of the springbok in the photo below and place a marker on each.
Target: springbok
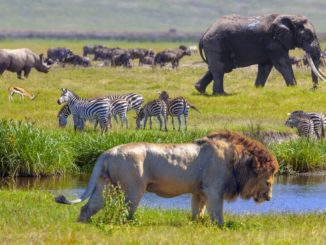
(21, 91)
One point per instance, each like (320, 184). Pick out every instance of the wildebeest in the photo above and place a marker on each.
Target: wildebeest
(122, 59)
(147, 60)
(171, 55)
(19, 60)
(59, 54)
(89, 49)
(77, 60)
(140, 53)
(107, 53)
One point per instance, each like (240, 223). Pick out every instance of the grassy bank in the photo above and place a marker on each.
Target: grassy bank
(27, 150)
(36, 218)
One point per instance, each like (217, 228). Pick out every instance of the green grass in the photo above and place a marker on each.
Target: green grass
(34, 217)
(64, 149)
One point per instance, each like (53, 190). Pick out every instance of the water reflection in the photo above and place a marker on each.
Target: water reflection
(295, 194)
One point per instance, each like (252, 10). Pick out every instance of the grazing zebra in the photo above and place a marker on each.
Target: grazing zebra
(135, 100)
(131, 101)
(318, 119)
(176, 108)
(63, 114)
(153, 108)
(304, 125)
(97, 109)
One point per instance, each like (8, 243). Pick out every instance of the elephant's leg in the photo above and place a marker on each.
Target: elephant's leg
(197, 205)
(94, 204)
(282, 63)
(201, 85)
(264, 70)
(216, 67)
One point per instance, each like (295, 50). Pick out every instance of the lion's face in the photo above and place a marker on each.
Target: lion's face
(259, 187)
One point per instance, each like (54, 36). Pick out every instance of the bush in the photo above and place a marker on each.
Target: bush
(115, 210)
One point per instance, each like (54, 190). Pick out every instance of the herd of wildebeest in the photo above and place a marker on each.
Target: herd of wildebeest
(119, 56)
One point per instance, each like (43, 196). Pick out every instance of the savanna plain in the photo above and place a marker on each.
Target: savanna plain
(32, 144)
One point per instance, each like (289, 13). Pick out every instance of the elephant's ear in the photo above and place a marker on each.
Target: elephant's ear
(282, 30)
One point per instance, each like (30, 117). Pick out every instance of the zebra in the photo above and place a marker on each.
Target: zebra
(135, 100)
(120, 105)
(153, 108)
(318, 119)
(304, 125)
(81, 109)
(177, 107)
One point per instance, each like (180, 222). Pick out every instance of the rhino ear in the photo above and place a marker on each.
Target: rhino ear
(41, 56)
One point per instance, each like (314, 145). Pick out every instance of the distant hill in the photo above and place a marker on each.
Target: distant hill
(143, 15)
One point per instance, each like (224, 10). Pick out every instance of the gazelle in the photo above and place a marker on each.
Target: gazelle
(21, 91)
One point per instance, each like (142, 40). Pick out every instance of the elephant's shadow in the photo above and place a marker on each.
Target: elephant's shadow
(215, 96)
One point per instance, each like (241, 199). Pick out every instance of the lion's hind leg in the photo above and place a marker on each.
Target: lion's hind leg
(197, 205)
(94, 204)
(133, 196)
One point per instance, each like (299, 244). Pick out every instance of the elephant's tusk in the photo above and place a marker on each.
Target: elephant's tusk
(321, 73)
(313, 68)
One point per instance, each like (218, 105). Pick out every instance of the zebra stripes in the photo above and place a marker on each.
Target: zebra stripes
(153, 108)
(120, 105)
(135, 100)
(318, 121)
(97, 109)
(176, 108)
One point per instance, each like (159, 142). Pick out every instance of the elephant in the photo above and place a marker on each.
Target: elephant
(19, 60)
(236, 41)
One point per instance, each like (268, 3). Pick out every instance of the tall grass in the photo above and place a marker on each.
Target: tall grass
(27, 150)
(302, 155)
(30, 151)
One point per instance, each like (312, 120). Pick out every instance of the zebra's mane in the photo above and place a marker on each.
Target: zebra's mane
(266, 160)
(73, 93)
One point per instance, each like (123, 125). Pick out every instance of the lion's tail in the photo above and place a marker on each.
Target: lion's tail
(96, 174)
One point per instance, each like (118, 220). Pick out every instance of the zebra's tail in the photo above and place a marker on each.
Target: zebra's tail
(193, 107)
(96, 174)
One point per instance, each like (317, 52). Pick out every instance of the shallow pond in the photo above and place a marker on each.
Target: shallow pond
(295, 194)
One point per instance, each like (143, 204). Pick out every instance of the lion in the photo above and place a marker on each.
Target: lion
(220, 166)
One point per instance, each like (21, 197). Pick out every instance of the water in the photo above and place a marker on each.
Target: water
(295, 194)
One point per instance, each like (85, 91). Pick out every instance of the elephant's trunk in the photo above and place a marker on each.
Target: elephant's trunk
(313, 57)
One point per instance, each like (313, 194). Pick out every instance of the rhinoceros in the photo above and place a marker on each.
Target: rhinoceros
(19, 60)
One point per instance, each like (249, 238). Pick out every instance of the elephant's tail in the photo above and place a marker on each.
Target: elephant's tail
(201, 47)
(96, 174)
